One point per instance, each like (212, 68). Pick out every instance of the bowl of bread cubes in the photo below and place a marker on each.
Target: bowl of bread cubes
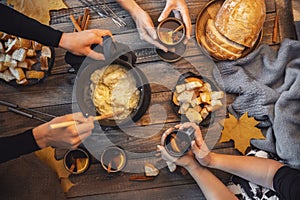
(195, 98)
(22, 61)
(230, 29)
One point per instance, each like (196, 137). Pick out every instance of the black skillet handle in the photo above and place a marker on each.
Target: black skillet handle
(76, 61)
(129, 57)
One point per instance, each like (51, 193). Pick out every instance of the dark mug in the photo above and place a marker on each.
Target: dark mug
(178, 142)
(76, 161)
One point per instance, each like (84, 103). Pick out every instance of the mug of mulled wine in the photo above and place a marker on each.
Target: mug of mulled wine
(113, 159)
(178, 142)
(171, 33)
(76, 161)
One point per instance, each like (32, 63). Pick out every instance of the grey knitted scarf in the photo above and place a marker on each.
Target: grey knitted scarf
(267, 85)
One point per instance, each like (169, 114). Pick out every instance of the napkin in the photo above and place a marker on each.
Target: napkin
(267, 85)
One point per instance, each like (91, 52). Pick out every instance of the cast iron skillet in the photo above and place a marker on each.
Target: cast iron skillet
(181, 80)
(84, 98)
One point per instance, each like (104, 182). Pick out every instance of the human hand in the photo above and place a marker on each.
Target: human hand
(79, 43)
(180, 10)
(199, 147)
(69, 137)
(146, 28)
(185, 161)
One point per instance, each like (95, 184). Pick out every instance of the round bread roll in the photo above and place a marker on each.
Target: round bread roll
(241, 20)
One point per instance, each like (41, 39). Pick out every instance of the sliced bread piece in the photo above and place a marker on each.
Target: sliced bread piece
(18, 73)
(22, 82)
(24, 43)
(36, 46)
(35, 74)
(2, 67)
(210, 51)
(46, 51)
(19, 54)
(2, 50)
(220, 39)
(228, 55)
(193, 116)
(7, 76)
(44, 63)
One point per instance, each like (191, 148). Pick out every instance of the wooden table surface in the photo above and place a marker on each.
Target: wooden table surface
(54, 96)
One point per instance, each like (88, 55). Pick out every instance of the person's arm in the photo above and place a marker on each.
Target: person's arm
(257, 170)
(69, 137)
(15, 23)
(14, 146)
(42, 136)
(78, 43)
(286, 183)
(181, 11)
(209, 184)
(143, 22)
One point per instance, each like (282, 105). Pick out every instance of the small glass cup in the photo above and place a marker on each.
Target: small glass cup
(178, 142)
(76, 161)
(113, 159)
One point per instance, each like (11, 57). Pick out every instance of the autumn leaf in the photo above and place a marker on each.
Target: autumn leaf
(37, 9)
(47, 155)
(241, 131)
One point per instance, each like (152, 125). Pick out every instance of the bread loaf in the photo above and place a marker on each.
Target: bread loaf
(214, 34)
(241, 20)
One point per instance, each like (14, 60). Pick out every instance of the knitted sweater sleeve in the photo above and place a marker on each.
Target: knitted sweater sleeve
(15, 23)
(14, 146)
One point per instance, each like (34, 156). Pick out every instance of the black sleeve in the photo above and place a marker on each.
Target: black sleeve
(14, 146)
(15, 23)
(286, 182)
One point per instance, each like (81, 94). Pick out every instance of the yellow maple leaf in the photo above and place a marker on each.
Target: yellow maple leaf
(37, 9)
(47, 155)
(241, 131)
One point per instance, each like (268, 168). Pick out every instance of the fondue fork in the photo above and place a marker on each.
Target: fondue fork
(96, 118)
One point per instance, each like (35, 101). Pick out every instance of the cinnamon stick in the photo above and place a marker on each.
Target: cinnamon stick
(138, 177)
(79, 19)
(275, 29)
(86, 22)
(85, 16)
(76, 25)
(109, 167)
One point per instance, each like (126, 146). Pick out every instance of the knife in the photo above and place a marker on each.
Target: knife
(25, 114)
(28, 109)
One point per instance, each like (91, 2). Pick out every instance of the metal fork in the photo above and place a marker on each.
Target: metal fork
(102, 6)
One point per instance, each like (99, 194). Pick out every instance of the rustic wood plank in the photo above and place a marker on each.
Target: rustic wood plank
(285, 20)
(154, 8)
(55, 90)
(59, 87)
(145, 52)
(54, 96)
(187, 191)
(97, 181)
(21, 123)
